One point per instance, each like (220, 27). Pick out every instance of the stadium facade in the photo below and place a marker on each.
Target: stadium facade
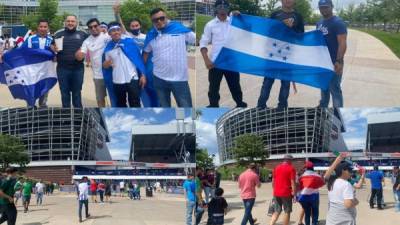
(53, 134)
(101, 9)
(383, 133)
(298, 131)
(173, 142)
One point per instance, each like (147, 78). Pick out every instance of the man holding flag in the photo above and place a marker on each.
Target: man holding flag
(294, 21)
(215, 33)
(41, 40)
(335, 33)
(167, 41)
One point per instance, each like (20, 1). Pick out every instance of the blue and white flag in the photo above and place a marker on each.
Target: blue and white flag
(268, 48)
(28, 73)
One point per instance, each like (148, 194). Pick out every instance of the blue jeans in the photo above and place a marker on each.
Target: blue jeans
(266, 89)
(190, 207)
(39, 198)
(397, 200)
(180, 90)
(311, 209)
(199, 214)
(81, 203)
(335, 90)
(70, 82)
(248, 206)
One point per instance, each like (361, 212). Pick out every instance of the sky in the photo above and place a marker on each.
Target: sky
(120, 121)
(355, 120)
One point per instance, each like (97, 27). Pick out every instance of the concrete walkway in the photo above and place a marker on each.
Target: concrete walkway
(60, 209)
(365, 215)
(371, 79)
(88, 91)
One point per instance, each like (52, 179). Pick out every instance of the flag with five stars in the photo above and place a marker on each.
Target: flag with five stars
(268, 48)
(28, 73)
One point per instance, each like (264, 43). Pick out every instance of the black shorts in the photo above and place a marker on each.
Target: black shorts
(283, 202)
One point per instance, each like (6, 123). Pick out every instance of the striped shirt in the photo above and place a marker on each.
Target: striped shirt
(309, 183)
(170, 56)
(37, 42)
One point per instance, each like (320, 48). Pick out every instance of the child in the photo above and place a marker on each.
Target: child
(217, 207)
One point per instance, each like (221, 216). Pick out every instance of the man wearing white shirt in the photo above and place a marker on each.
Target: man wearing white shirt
(123, 55)
(215, 33)
(39, 192)
(83, 188)
(94, 45)
(170, 60)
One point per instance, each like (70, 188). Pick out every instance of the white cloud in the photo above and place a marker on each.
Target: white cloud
(355, 143)
(122, 122)
(119, 153)
(206, 136)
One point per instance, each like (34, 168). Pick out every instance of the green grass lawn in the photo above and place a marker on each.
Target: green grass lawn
(201, 21)
(392, 40)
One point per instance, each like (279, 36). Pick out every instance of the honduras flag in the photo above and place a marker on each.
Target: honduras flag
(268, 48)
(28, 73)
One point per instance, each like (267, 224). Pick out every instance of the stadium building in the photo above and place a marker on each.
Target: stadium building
(383, 133)
(66, 144)
(13, 10)
(310, 133)
(173, 142)
(56, 139)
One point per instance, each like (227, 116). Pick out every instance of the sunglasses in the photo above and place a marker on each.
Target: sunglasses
(161, 18)
(94, 26)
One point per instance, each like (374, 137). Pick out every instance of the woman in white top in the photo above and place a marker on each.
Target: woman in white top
(341, 194)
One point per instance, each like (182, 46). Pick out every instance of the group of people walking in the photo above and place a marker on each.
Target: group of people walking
(290, 186)
(13, 188)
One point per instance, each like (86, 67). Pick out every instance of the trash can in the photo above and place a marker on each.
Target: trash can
(149, 192)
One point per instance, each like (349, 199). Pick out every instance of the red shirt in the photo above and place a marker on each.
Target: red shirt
(248, 181)
(282, 175)
(93, 186)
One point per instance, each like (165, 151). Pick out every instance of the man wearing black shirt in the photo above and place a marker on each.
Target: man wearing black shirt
(69, 70)
(293, 20)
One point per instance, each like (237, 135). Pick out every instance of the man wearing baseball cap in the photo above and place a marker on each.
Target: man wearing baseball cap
(308, 194)
(215, 33)
(335, 33)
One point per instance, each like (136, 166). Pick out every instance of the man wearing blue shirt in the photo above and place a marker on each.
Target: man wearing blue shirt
(189, 187)
(335, 33)
(41, 40)
(377, 179)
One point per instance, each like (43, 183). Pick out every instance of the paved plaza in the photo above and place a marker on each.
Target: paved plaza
(365, 215)
(371, 79)
(62, 209)
(88, 91)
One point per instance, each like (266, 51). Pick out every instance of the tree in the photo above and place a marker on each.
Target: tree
(270, 6)
(249, 148)
(12, 151)
(251, 7)
(47, 10)
(141, 9)
(203, 159)
(304, 8)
